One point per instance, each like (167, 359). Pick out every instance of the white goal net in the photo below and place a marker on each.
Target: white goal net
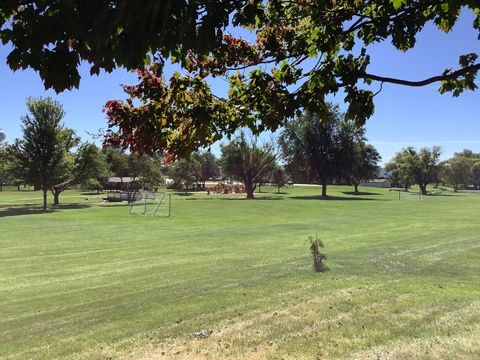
(152, 204)
(410, 195)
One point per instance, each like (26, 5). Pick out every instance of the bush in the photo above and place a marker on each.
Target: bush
(318, 258)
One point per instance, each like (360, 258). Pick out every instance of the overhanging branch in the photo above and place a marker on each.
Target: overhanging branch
(451, 76)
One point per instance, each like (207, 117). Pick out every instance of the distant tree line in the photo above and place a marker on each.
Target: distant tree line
(321, 148)
(411, 167)
(461, 171)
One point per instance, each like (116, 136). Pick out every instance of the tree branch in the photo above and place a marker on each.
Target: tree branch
(451, 76)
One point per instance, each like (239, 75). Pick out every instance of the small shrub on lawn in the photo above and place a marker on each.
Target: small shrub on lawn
(318, 258)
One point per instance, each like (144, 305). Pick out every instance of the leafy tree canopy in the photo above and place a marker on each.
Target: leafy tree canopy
(303, 50)
(420, 167)
(279, 178)
(6, 173)
(185, 172)
(91, 167)
(462, 169)
(248, 161)
(42, 156)
(364, 165)
(209, 167)
(320, 146)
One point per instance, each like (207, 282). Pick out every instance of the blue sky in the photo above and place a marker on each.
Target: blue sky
(404, 116)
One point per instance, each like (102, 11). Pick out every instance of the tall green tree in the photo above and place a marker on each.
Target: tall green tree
(457, 171)
(209, 167)
(42, 153)
(13, 170)
(248, 161)
(399, 168)
(319, 145)
(410, 166)
(279, 178)
(65, 169)
(475, 174)
(91, 167)
(118, 162)
(185, 172)
(6, 175)
(147, 170)
(364, 163)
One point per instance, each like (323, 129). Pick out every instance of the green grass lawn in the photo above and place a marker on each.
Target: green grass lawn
(224, 277)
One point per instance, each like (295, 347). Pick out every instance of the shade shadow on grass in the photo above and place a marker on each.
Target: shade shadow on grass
(335, 198)
(360, 193)
(37, 209)
(310, 197)
(243, 198)
(439, 194)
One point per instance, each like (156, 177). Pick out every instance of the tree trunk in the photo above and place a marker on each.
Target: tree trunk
(355, 185)
(324, 190)
(423, 189)
(278, 189)
(56, 200)
(249, 189)
(45, 199)
(18, 187)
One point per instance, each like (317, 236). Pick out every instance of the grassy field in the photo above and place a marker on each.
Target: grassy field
(230, 278)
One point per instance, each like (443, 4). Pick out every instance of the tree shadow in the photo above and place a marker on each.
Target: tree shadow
(183, 194)
(334, 198)
(271, 198)
(37, 209)
(70, 207)
(433, 195)
(244, 198)
(359, 193)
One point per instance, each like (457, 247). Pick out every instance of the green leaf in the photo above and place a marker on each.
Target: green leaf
(397, 3)
(147, 60)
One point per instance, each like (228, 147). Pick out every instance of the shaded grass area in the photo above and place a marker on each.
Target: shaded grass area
(88, 280)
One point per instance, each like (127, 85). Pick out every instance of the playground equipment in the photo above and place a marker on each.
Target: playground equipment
(152, 204)
(222, 188)
(121, 195)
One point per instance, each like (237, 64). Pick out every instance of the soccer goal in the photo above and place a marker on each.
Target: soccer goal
(407, 195)
(152, 204)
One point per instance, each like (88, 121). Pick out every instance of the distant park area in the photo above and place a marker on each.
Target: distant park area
(225, 277)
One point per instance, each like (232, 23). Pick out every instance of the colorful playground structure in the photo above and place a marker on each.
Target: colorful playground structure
(223, 188)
